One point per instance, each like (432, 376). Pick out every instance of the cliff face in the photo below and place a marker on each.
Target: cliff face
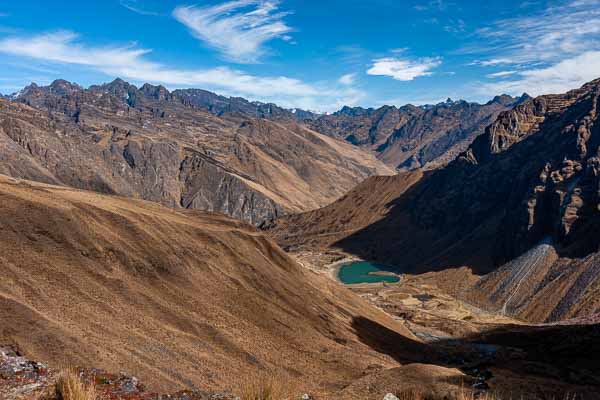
(543, 156)
(161, 146)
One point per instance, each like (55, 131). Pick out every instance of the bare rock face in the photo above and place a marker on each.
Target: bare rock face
(364, 127)
(208, 187)
(559, 195)
(170, 148)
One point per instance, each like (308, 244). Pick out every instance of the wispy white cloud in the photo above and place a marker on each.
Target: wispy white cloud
(492, 62)
(403, 69)
(238, 29)
(557, 78)
(548, 36)
(347, 79)
(132, 63)
(552, 51)
(439, 5)
(455, 26)
(501, 74)
(133, 5)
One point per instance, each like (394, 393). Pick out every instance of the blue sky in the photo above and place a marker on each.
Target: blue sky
(317, 55)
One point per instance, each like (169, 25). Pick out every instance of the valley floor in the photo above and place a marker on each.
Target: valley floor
(463, 347)
(468, 338)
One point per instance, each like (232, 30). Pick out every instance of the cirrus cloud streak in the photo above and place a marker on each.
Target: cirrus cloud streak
(238, 29)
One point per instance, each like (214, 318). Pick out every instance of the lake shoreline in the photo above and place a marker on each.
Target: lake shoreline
(333, 271)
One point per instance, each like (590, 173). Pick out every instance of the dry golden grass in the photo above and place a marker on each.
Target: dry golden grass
(69, 386)
(463, 395)
(266, 387)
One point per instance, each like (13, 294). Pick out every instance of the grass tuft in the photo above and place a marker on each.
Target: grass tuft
(265, 388)
(69, 386)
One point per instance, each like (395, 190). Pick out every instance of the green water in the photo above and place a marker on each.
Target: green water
(358, 272)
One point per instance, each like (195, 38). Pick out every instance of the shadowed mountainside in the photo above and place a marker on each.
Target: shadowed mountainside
(166, 147)
(533, 176)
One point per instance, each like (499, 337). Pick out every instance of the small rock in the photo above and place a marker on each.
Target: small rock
(390, 396)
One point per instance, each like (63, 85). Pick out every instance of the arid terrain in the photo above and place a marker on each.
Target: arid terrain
(170, 242)
(180, 298)
(300, 200)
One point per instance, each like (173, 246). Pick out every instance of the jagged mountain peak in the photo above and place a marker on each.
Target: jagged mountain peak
(62, 87)
(158, 92)
(409, 136)
(117, 87)
(529, 116)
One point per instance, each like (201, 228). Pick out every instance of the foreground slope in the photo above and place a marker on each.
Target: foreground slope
(189, 300)
(167, 147)
(532, 179)
(179, 298)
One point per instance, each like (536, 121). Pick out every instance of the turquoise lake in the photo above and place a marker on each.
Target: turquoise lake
(359, 272)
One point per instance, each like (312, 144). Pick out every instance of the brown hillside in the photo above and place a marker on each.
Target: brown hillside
(179, 298)
(364, 205)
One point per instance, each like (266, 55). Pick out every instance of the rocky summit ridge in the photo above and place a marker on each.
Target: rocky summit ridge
(411, 137)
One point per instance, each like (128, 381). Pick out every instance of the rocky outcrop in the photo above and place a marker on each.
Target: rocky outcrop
(208, 186)
(21, 379)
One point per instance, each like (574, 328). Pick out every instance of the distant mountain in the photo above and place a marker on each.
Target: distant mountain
(520, 204)
(198, 98)
(173, 148)
(220, 105)
(412, 137)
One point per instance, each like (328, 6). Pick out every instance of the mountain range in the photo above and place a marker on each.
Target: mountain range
(173, 148)
(412, 137)
(195, 241)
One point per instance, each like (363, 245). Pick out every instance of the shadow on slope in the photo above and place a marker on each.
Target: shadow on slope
(549, 360)
(489, 206)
